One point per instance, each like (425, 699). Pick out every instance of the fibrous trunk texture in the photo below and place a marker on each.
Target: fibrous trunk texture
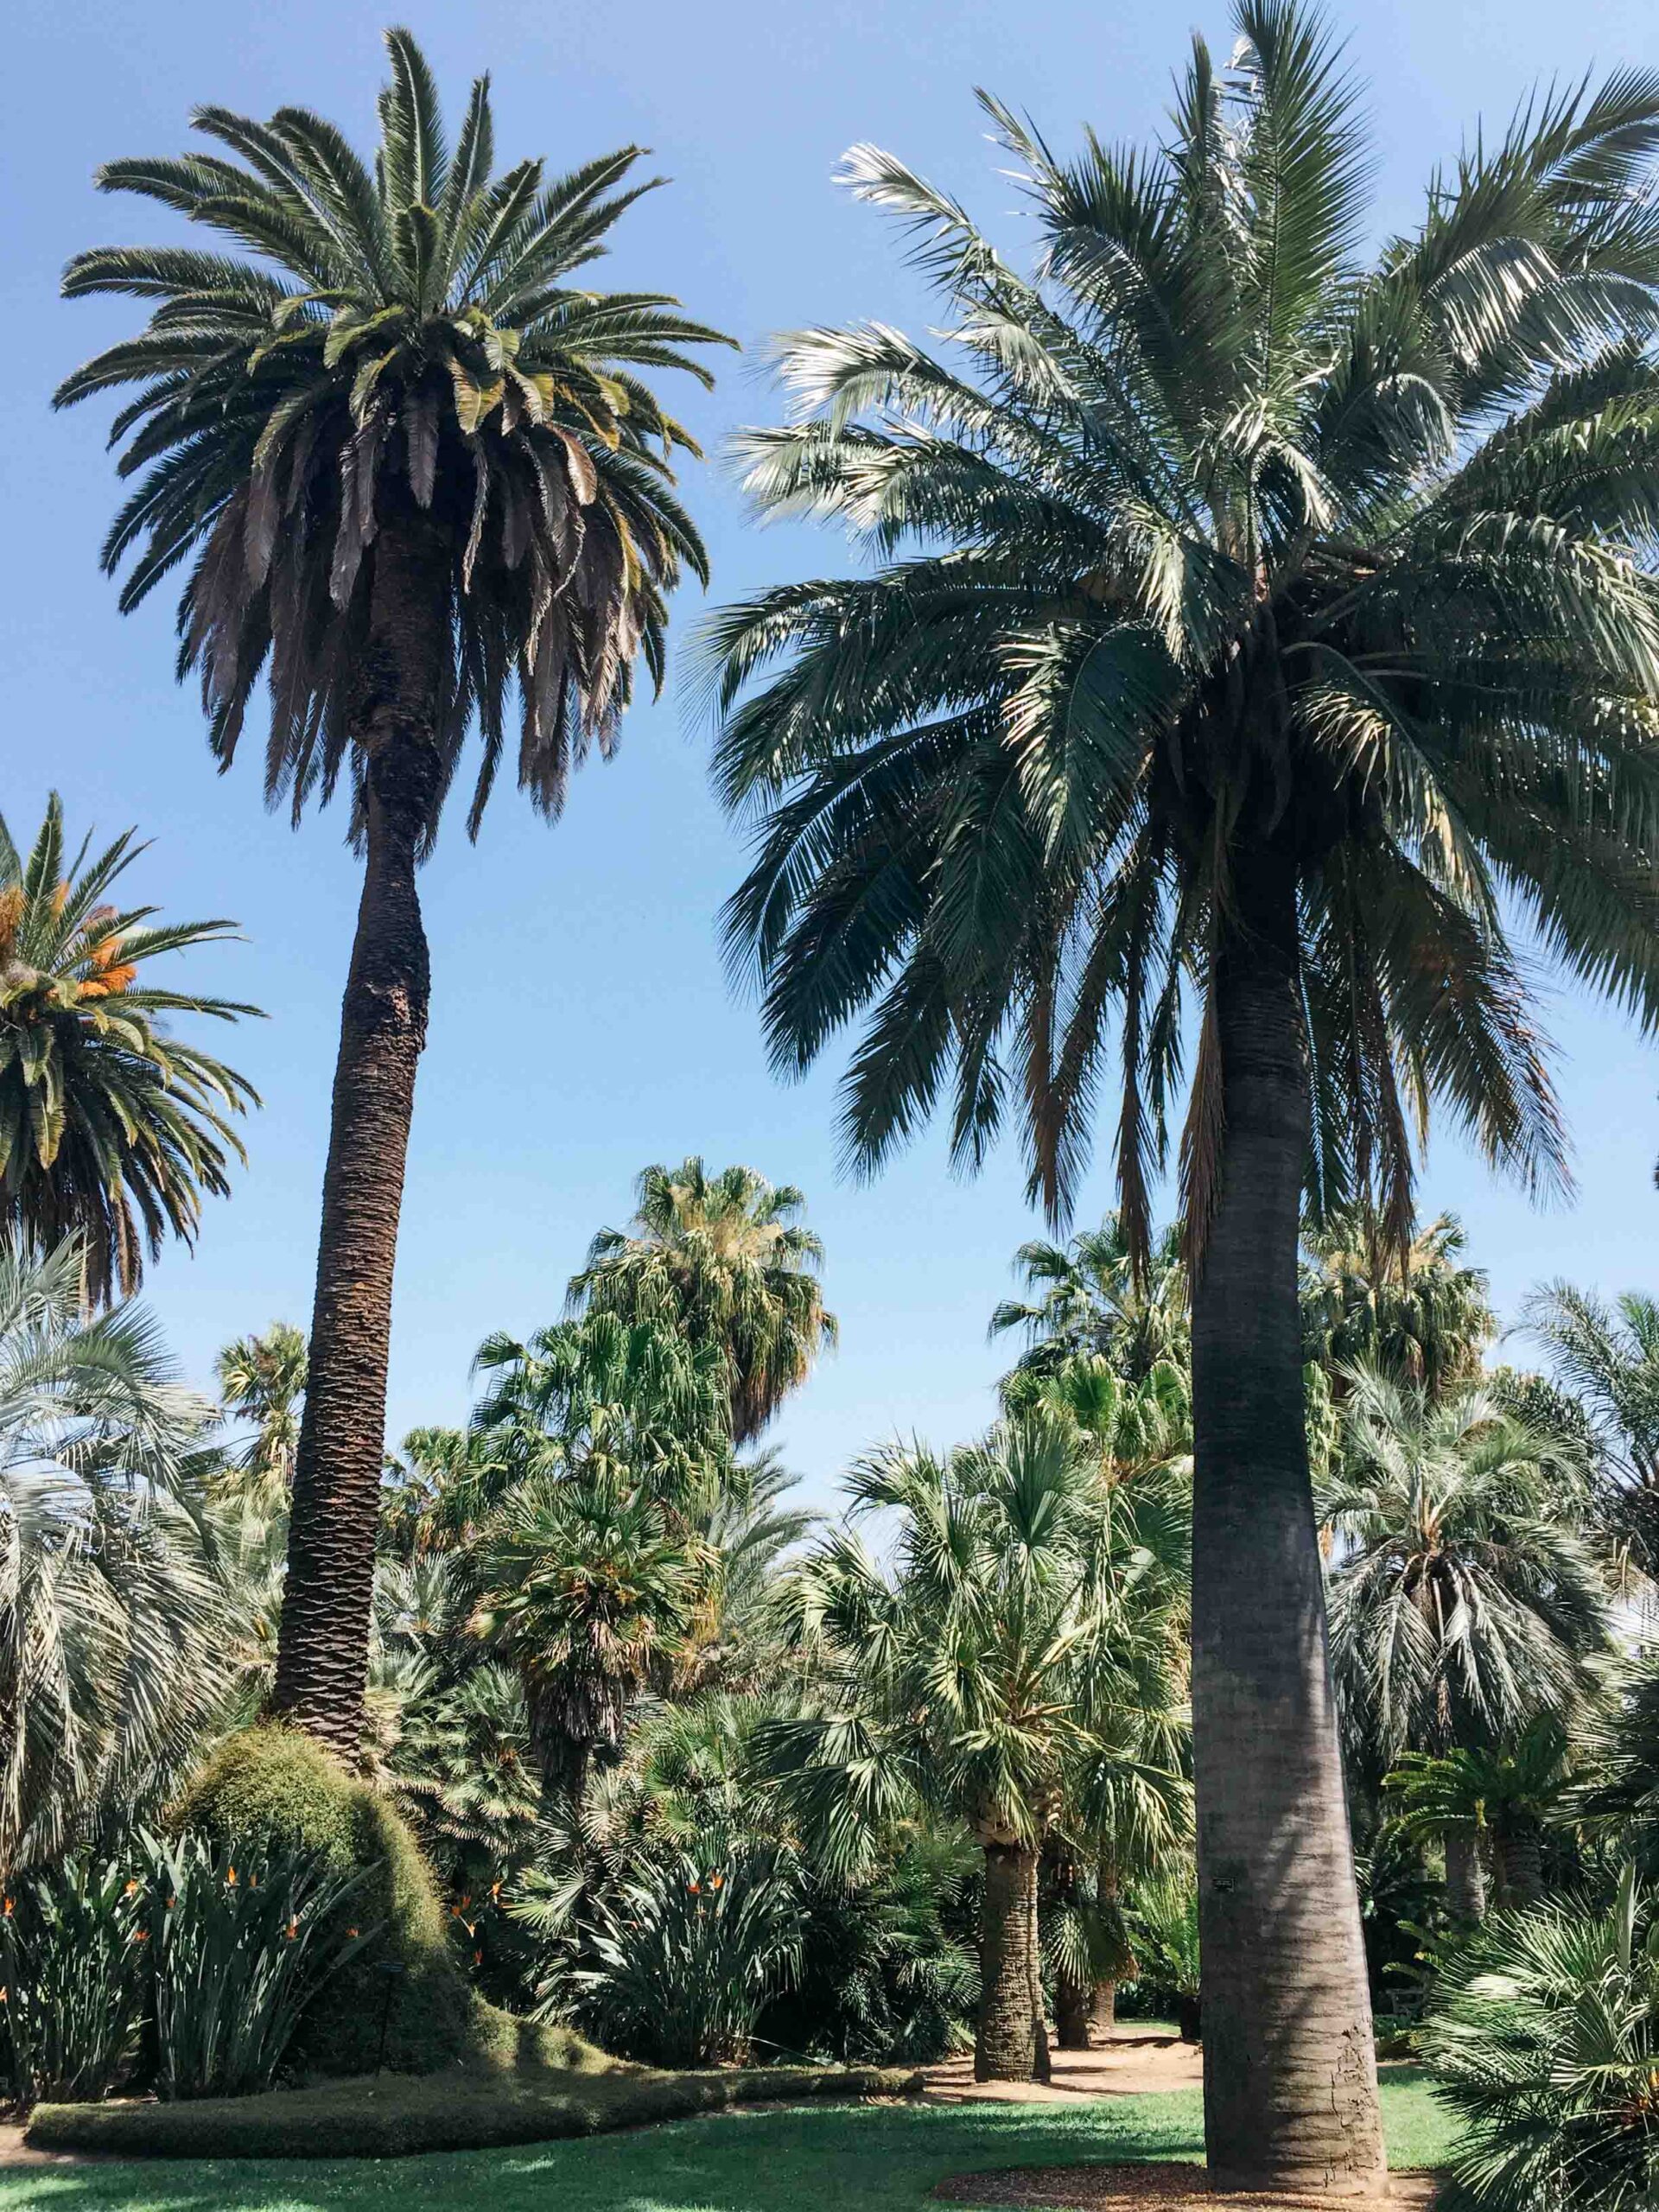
(322, 1657)
(1521, 1868)
(1074, 2013)
(1289, 2065)
(1012, 2044)
(1465, 1878)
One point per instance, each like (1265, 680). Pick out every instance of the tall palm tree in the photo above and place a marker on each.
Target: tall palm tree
(412, 470)
(262, 1381)
(1099, 1293)
(1270, 623)
(1416, 1311)
(726, 1258)
(1000, 1673)
(110, 1129)
(112, 1644)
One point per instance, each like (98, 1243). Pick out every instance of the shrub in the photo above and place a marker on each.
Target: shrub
(1544, 2033)
(686, 1957)
(73, 1961)
(274, 1789)
(241, 1940)
(1163, 1926)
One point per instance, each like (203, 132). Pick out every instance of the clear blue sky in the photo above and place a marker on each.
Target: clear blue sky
(581, 1024)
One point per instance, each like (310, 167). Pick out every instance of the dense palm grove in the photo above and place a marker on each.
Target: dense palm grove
(1258, 657)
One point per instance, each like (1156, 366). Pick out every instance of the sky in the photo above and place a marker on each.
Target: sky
(581, 1022)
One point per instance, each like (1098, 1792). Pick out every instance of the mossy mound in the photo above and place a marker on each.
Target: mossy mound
(389, 2118)
(282, 1789)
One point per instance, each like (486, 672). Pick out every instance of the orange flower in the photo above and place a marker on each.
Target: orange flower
(478, 1958)
(141, 1935)
(351, 1931)
(696, 1888)
(230, 1879)
(8, 1908)
(716, 1881)
(131, 1890)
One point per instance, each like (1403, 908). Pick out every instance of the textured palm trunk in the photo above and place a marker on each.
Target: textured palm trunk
(1521, 1868)
(1074, 2013)
(1289, 2066)
(322, 1657)
(1011, 2044)
(1103, 2018)
(1465, 1878)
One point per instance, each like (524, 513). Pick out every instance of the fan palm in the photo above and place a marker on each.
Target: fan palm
(411, 468)
(1502, 1793)
(1414, 1312)
(726, 1260)
(1000, 1673)
(1098, 1294)
(262, 1381)
(112, 1657)
(111, 1129)
(1270, 625)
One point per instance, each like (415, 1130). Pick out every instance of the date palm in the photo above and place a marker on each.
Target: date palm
(412, 473)
(726, 1258)
(111, 1613)
(1607, 1355)
(1255, 626)
(1465, 1599)
(110, 1127)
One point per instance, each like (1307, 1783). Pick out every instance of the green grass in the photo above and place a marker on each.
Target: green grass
(868, 2158)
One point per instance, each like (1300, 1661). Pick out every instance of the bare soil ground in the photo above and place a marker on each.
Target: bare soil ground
(1138, 2059)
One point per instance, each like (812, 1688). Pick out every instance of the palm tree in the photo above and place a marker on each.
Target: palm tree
(1608, 1358)
(262, 1381)
(1269, 625)
(726, 1260)
(1504, 1794)
(589, 1588)
(1414, 1312)
(411, 468)
(1466, 1602)
(111, 1660)
(1097, 1294)
(111, 1129)
(1000, 1674)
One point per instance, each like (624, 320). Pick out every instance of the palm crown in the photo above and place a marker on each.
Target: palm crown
(110, 1129)
(406, 343)
(1219, 540)
(727, 1259)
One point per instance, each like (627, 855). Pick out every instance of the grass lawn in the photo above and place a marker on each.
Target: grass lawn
(859, 2158)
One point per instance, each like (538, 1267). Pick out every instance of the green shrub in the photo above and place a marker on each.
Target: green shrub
(1544, 2034)
(242, 1938)
(687, 1956)
(72, 1964)
(276, 1789)
(396, 2117)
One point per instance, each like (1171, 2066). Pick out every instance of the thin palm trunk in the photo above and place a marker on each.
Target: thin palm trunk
(1010, 2045)
(1289, 2065)
(1103, 2015)
(322, 1658)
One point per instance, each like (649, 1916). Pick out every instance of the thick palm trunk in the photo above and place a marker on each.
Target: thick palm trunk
(1012, 2044)
(1074, 2013)
(1465, 1878)
(322, 1658)
(1289, 2066)
(1521, 1869)
(1103, 2016)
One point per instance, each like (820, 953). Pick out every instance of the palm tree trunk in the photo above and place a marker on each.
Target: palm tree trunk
(1006, 2048)
(1102, 2019)
(1289, 2066)
(1521, 1868)
(322, 1657)
(1465, 1878)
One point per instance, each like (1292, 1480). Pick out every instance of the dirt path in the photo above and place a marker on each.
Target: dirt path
(1138, 2059)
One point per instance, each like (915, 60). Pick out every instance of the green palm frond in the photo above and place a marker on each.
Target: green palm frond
(111, 1128)
(395, 344)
